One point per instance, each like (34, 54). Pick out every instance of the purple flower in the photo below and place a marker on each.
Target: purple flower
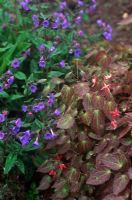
(18, 122)
(24, 5)
(36, 142)
(45, 23)
(78, 20)
(77, 53)
(15, 130)
(9, 72)
(51, 99)
(42, 63)
(41, 106)
(2, 135)
(62, 63)
(62, 5)
(25, 139)
(10, 80)
(1, 88)
(52, 49)
(24, 108)
(57, 112)
(2, 118)
(27, 53)
(99, 22)
(50, 136)
(15, 63)
(35, 21)
(80, 3)
(33, 88)
(41, 48)
(65, 24)
(55, 24)
(38, 107)
(107, 36)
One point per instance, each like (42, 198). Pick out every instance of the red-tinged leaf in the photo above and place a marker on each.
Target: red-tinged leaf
(73, 175)
(45, 167)
(86, 118)
(98, 101)
(45, 183)
(120, 183)
(59, 183)
(63, 192)
(98, 122)
(94, 136)
(113, 161)
(67, 94)
(103, 59)
(101, 146)
(109, 106)
(87, 102)
(74, 187)
(80, 89)
(124, 132)
(65, 122)
(50, 145)
(99, 176)
(82, 136)
(113, 197)
(62, 139)
(126, 21)
(130, 173)
(85, 145)
(64, 148)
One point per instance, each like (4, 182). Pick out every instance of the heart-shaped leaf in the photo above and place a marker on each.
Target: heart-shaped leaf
(99, 176)
(98, 122)
(65, 122)
(113, 161)
(80, 89)
(120, 183)
(113, 197)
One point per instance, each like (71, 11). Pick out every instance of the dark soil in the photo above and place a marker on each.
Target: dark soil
(112, 12)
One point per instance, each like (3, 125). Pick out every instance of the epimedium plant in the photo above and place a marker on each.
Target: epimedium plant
(94, 145)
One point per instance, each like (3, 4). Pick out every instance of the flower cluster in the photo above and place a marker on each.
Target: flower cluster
(6, 80)
(107, 29)
(25, 5)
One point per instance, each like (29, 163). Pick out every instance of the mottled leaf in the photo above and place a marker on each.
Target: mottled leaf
(99, 176)
(120, 183)
(98, 122)
(80, 89)
(45, 183)
(113, 197)
(113, 161)
(65, 122)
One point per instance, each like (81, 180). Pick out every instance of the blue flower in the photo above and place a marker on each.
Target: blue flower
(18, 122)
(25, 138)
(15, 63)
(33, 88)
(45, 23)
(2, 135)
(24, 108)
(2, 118)
(35, 21)
(49, 136)
(42, 63)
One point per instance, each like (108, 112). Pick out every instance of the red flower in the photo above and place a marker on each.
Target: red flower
(62, 166)
(94, 80)
(52, 173)
(114, 124)
(115, 113)
(106, 87)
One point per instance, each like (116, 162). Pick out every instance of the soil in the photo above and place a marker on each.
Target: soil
(112, 12)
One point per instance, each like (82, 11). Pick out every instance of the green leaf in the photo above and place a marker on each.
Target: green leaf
(20, 76)
(20, 166)
(4, 94)
(55, 74)
(10, 162)
(39, 124)
(15, 97)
